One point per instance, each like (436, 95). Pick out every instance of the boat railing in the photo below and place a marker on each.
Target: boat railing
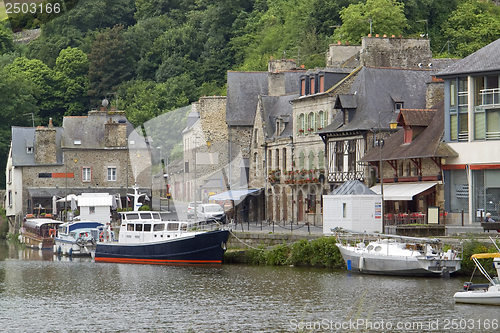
(211, 226)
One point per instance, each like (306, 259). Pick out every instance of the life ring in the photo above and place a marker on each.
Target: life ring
(52, 232)
(101, 236)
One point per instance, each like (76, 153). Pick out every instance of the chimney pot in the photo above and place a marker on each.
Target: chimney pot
(346, 42)
(369, 35)
(385, 36)
(339, 42)
(393, 36)
(376, 35)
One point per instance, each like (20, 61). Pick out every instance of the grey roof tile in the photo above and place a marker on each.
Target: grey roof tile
(25, 136)
(483, 60)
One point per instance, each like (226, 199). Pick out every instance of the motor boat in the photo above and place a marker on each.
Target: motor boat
(400, 255)
(483, 293)
(77, 237)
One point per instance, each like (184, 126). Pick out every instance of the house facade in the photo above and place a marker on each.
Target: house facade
(472, 129)
(100, 153)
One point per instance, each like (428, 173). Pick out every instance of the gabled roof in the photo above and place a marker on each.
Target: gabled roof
(427, 144)
(90, 130)
(274, 107)
(413, 117)
(243, 88)
(346, 101)
(376, 90)
(25, 136)
(483, 60)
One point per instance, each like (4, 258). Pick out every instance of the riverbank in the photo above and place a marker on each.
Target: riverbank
(320, 251)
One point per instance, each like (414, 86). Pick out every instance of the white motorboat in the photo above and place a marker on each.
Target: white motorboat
(78, 237)
(485, 293)
(399, 255)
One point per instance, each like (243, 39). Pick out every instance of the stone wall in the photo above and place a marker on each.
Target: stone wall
(246, 240)
(45, 145)
(434, 93)
(395, 52)
(115, 134)
(340, 54)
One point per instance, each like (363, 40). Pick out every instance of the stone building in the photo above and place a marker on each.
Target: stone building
(205, 141)
(100, 152)
(412, 167)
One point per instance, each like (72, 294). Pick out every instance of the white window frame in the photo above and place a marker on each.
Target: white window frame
(112, 175)
(86, 174)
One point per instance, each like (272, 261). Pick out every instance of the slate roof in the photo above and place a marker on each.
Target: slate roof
(90, 129)
(377, 89)
(427, 144)
(350, 187)
(416, 117)
(243, 88)
(481, 61)
(21, 136)
(274, 107)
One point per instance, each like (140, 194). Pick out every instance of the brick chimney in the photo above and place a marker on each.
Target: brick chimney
(45, 144)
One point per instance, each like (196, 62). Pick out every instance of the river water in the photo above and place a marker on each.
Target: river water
(40, 292)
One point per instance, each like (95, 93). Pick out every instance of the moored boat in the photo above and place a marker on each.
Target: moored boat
(145, 239)
(484, 293)
(38, 233)
(399, 255)
(78, 237)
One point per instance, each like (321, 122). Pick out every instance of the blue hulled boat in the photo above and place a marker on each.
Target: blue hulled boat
(145, 239)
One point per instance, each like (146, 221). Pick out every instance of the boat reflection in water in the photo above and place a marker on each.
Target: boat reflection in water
(399, 255)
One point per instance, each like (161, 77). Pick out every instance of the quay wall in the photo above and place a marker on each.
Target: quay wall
(244, 240)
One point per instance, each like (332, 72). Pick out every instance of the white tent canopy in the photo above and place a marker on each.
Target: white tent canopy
(69, 197)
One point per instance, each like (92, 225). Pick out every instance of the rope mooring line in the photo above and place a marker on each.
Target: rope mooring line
(244, 242)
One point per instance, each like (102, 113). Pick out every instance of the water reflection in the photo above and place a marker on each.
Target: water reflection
(81, 296)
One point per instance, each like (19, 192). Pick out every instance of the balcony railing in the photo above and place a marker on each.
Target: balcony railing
(490, 97)
(339, 176)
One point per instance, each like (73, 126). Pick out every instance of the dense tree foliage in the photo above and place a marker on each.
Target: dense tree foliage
(153, 56)
(384, 17)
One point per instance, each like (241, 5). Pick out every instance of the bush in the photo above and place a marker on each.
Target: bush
(471, 247)
(144, 207)
(4, 224)
(321, 252)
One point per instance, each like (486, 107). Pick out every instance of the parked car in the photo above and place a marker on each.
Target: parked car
(190, 209)
(211, 212)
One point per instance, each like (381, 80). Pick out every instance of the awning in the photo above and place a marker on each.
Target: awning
(402, 191)
(233, 194)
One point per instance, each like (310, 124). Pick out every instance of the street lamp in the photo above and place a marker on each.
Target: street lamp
(393, 124)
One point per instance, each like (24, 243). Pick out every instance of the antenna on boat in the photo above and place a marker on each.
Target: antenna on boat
(136, 196)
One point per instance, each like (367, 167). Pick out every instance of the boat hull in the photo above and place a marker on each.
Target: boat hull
(205, 248)
(395, 265)
(478, 297)
(36, 242)
(66, 247)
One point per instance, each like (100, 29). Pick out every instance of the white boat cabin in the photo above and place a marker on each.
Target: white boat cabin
(147, 227)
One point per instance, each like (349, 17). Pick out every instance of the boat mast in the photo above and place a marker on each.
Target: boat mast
(136, 196)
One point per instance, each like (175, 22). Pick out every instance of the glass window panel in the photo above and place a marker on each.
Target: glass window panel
(463, 126)
(492, 82)
(453, 127)
(479, 126)
(462, 85)
(493, 124)
(478, 86)
(453, 93)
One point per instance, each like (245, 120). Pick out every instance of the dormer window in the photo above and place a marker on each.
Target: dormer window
(408, 134)
(321, 83)
(312, 85)
(29, 147)
(302, 87)
(398, 106)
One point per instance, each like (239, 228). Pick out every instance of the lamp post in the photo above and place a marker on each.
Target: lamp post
(393, 124)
